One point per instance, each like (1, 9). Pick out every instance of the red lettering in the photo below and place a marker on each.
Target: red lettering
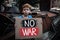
(29, 31)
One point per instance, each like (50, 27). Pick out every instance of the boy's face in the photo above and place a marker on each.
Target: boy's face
(26, 11)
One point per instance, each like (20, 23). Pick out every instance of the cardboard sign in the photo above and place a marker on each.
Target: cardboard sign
(28, 28)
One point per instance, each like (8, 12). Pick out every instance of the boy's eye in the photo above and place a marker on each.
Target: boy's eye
(26, 9)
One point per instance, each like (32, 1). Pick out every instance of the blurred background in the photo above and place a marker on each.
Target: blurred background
(12, 8)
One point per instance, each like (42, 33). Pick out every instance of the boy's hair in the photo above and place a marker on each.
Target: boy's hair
(27, 6)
